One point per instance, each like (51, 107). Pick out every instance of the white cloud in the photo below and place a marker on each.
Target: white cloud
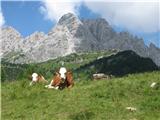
(2, 21)
(134, 16)
(54, 9)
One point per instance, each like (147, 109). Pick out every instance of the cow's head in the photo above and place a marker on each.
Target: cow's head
(62, 72)
(34, 77)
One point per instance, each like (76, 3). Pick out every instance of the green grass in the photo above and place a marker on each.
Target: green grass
(87, 100)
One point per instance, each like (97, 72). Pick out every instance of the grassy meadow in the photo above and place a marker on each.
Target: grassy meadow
(87, 100)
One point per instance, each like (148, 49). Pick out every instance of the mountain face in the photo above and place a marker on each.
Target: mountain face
(120, 64)
(71, 35)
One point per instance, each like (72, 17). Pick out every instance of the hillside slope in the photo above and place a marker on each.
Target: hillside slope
(83, 65)
(73, 61)
(120, 64)
(87, 100)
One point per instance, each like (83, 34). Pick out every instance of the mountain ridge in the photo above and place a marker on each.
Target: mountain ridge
(71, 35)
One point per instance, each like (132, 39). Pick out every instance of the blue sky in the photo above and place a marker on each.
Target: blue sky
(25, 17)
(28, 17)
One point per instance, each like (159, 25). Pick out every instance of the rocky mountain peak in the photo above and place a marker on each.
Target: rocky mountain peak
(10, 40)
(66, 18)
(152, 46)
(70, 35)
(71, 21)
(36, 36)
(10, 32)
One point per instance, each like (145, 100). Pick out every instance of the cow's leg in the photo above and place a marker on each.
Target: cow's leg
(50, 86)
(31, 83)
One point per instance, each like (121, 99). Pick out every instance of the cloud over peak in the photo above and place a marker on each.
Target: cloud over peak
(2, 21)
(132, 15)
(54, 9)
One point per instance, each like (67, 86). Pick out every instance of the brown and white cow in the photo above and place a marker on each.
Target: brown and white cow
(37, 79)
(62, 79)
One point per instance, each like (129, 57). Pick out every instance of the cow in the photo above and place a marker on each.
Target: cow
(61, 79)
(99, 76)
(37, 78)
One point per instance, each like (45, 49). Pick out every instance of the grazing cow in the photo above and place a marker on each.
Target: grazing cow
(37, 79)
(62, 79)
(99, 76)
